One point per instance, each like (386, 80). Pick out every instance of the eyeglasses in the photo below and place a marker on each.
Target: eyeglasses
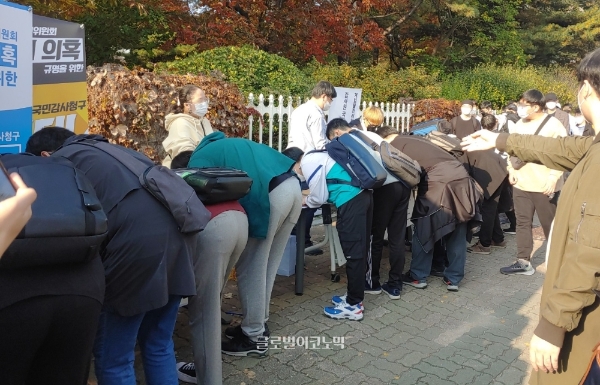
(204, 100)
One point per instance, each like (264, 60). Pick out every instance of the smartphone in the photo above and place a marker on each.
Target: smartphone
(7, 189)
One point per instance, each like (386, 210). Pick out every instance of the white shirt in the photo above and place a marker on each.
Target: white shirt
(307, 128)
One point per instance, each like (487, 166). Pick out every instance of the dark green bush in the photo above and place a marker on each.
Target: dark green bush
(250, 69)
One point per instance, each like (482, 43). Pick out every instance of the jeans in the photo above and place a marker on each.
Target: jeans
(456, 250)
(115, 344)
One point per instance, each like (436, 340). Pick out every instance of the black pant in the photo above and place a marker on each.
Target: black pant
(526, 205)
(390, 204)
(48, 340)
(506, 205)
(490, 227)
(309, 215)
(354, 220)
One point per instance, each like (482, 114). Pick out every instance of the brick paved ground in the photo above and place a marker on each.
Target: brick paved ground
(476, 336)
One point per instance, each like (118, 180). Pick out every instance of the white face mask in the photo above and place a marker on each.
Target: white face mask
(551, 105)
(522, 112)
(579, 120)
(201, 109)
(466, 110)
(326, 106)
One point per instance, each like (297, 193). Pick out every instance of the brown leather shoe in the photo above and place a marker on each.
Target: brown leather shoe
(478, 248)
(501, 245)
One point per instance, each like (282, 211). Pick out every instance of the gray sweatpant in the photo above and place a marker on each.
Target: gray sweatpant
(220, 245)
(258, 264)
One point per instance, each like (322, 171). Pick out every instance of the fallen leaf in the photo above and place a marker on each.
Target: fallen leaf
(228, 295)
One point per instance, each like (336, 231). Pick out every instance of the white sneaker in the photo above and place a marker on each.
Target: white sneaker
(345, 311)
(337, 299)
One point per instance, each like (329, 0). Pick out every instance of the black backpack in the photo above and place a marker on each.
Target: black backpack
(68, 224)
(216, 184)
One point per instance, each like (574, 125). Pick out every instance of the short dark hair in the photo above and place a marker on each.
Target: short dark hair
(488, 121)
(47, 139)
(485, 104)
(534, 97)
(182, 159)
(589, 69)
(385, 131)
(511, 107)
(294, 153)
(183, 96)
(337, 124)
(323, 88)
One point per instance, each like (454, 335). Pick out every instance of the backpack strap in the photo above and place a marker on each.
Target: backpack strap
(543, 124)
(339, 181)
(134, 165)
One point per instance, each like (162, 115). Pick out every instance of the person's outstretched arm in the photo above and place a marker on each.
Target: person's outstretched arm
(561, 154)
(15, 212)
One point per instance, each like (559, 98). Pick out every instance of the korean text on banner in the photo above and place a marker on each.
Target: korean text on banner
(15, 76)
(59, 77)
(346, 105)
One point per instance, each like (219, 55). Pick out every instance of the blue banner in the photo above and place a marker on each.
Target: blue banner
(16, 76)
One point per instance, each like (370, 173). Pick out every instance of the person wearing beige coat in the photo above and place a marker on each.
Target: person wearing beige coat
(186, 124)
(564, 349)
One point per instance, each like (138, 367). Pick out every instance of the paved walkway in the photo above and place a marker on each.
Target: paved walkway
(478, 335)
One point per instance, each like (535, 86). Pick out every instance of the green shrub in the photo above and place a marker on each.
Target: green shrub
(252, 70)
(379, 83)
(501, 84)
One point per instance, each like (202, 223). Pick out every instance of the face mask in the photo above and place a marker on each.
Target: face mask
(551, 105)
(326, 106)
(579, 120)
(201, 109)
(522, 112)
(580, 104)
(465, 110)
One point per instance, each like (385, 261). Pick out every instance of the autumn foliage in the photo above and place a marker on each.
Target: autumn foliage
(427, 109)
(129, 106)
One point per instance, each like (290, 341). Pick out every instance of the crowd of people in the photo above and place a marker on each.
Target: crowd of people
(513, 163)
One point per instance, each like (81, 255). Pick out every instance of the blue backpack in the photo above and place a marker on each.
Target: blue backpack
(426, 127)
(366, 172)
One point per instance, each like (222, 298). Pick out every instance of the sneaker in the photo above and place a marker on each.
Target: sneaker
(244, 346)
(372, 290)
(338, 299)
(500, 245)
(519, 267)
(345, 311)
(436, 272)
(186, 372)
(510, 231)
(392, 292)
(478, 248)
(449, 285)
(236, 331)
(410, 281)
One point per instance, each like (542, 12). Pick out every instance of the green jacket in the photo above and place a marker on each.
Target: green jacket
(569, 308)
(259, 161)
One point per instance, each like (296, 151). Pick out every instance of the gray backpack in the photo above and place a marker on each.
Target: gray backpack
(397, 163)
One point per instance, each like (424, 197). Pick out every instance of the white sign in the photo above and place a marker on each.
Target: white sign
(346, 105)
(15, 76)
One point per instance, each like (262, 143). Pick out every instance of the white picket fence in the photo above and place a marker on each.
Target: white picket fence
(396, 115)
